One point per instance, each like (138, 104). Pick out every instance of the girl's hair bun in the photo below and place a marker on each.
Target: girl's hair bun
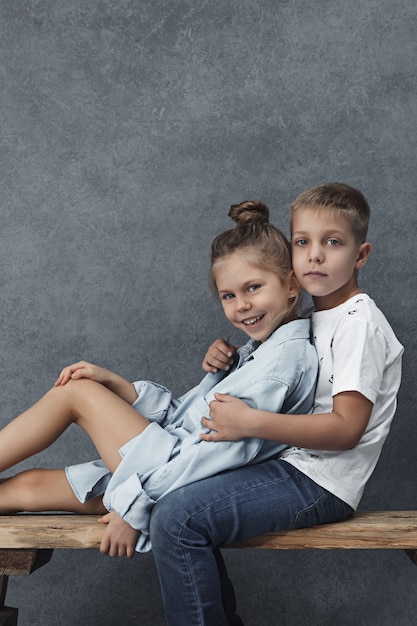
(249, 212)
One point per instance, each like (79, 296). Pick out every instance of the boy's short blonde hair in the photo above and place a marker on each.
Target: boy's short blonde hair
(347, 201)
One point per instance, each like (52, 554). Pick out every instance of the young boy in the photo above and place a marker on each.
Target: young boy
(320, 477)
(359, 355)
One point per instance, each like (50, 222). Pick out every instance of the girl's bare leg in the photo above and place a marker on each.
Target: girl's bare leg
(43, 490)
(108, 420)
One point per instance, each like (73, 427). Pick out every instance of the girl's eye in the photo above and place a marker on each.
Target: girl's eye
(301, 242)
(227, 296)
(253, 288)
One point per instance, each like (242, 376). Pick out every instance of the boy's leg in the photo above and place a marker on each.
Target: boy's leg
(43, 490)
(108, 420)
(189, 524)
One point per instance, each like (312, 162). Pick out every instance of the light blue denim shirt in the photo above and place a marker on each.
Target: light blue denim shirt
(279, 375)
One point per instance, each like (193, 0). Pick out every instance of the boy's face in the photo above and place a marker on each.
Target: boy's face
(326, 257)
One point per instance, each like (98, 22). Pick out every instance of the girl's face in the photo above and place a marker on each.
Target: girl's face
(254, 300)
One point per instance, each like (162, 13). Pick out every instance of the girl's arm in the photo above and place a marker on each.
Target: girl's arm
(119, 385)
(119, 538)
(342, 429)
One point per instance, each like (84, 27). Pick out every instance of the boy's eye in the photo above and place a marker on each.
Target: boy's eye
(301, 242)
(333, 242)
(228, 296)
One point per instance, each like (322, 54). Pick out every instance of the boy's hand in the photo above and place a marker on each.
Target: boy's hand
(119, 537)
(219, 356)
(227, 419)
(82, 369)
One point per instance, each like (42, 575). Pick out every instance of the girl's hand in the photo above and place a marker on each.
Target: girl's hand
(82, 369)
(119, 537)
(219, 356)
(119, 385)
(227, 419)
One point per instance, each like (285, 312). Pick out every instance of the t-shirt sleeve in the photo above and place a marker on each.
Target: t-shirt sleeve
(359, 352)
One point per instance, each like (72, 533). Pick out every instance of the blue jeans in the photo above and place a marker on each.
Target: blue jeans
(189, 525)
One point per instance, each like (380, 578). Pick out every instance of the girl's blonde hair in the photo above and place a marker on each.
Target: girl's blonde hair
(265, 245)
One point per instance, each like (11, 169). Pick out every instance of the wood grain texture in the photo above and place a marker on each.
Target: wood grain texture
(365, 530)
(50, 531)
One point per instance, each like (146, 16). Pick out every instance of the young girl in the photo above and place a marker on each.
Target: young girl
(149, 443)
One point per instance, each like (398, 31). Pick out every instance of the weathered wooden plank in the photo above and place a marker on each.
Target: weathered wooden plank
(27, 541)
(372, 530)
(366, 530)
(50, 531)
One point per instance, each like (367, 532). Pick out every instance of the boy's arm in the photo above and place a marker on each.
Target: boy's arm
(342, 429)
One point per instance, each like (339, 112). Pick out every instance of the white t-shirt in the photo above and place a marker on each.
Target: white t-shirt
(357, 351)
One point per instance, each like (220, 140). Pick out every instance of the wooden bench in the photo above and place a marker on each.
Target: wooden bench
(27, 541)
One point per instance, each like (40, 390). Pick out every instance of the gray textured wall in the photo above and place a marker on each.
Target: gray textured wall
(126, 131)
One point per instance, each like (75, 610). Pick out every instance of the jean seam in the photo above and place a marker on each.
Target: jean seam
(311, 507)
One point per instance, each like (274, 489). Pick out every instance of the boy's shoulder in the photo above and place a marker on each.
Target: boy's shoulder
(360, 309)
(363, 307)
(359, 306)
(358, 320)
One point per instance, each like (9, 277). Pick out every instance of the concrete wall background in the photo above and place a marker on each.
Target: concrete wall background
(126, 131)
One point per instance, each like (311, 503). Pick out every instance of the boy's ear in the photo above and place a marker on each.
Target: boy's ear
(364, 252)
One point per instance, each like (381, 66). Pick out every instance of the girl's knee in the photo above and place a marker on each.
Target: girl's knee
(75, 387)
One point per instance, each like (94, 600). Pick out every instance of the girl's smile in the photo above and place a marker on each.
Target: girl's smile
(254, 299)
(253, 321)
